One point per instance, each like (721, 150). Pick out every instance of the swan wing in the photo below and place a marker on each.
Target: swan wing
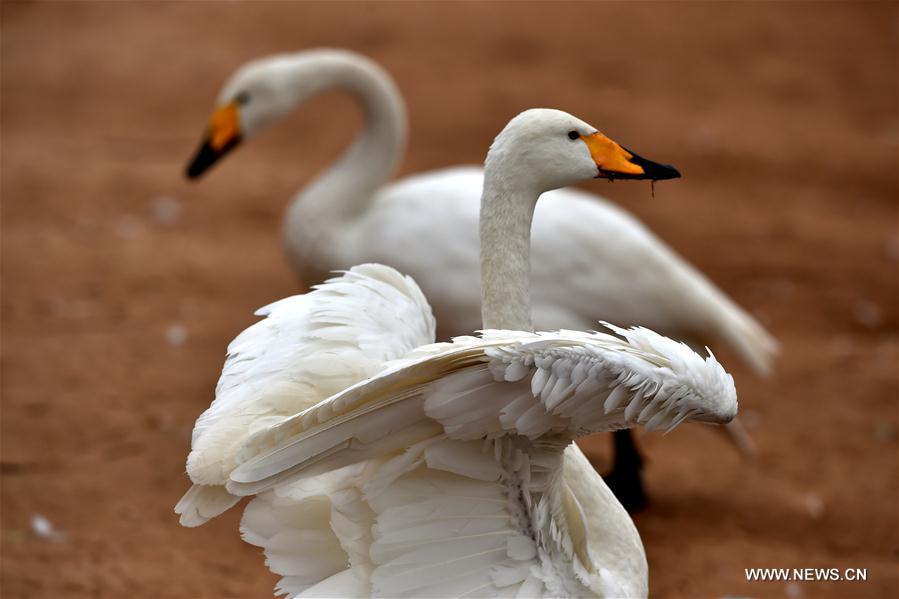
(421, 467)
(433, 520)
(310, 530)
(506, 383)
(308, 347)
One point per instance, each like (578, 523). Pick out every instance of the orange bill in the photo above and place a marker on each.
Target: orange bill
(222, 135)
(616, 162)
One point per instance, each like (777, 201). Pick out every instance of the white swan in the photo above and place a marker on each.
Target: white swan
(451, 472)
(591, 259)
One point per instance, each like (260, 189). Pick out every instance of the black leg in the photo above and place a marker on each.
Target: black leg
(624, 479)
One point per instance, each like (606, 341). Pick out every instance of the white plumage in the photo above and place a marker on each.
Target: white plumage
(450, 467)
(591, 259)
(503, 383)
(446, 469)
(308, 348)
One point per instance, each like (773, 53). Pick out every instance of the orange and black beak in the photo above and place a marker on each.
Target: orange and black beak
(616, 162)
(222, 135)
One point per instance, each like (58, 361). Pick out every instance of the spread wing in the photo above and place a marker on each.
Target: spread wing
(423, 473)
(307, 348)
(564, 383)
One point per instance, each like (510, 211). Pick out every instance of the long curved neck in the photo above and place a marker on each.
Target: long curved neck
(507, 209)
(344, 191)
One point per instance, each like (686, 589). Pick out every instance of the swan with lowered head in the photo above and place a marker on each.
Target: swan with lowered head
(590, 258)
(451, 471)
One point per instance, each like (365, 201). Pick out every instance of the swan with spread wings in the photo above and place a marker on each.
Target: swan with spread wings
(384, 464)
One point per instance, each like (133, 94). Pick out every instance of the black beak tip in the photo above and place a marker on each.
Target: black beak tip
(205, 157)
(202, 160)
(192, 172)
(663, 171)
(655, 170)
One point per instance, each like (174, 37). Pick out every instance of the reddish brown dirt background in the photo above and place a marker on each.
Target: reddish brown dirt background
(782, 116)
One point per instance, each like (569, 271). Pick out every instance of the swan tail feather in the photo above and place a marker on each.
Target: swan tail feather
(740, 437)
(745, 335)
(202, 503)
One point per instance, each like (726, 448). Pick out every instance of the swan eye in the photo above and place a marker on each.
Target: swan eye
(242, 98)
(573, 135)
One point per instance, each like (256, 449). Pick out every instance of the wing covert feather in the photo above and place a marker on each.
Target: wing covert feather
(558, 384)
(307, 348)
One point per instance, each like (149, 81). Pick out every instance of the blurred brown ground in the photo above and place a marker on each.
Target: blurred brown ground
(782, 116)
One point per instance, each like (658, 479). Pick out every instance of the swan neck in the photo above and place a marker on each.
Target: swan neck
(507, 211)
(375, 153)
(344, 191)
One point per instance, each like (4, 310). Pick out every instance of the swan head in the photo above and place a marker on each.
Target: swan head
(257, 95)
(546, 149)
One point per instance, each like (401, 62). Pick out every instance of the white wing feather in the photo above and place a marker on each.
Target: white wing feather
(307, 348)
(438, 471)
(564, 383)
